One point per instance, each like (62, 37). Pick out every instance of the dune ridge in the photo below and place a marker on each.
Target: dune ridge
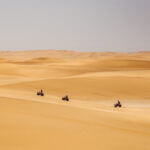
(68, 54)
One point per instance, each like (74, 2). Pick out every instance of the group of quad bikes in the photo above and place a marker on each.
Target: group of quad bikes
(66, 98)
(41, 93)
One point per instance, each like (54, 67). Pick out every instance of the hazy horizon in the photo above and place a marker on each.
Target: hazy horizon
(87, 25)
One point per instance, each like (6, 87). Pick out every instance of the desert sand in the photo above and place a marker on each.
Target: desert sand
(94, 81)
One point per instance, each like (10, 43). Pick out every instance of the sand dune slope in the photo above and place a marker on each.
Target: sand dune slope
(93, 89)
(35, 125)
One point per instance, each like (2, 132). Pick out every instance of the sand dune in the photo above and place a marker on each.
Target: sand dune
(38, 60)
(53, 54)
(94, 82)
(96, 88)
(119, 64)
(35, 125)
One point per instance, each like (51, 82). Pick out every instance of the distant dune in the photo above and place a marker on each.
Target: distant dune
(55, 54)
(60, 72)
(68, 54)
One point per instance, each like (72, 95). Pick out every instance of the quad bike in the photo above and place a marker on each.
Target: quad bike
(117, 105)
(65, 98)
(40, 93)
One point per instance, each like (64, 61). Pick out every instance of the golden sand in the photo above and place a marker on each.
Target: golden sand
(93, 81)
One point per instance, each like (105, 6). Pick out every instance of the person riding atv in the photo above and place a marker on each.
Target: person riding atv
(118, 104)
(65, 98)
(41, 93)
